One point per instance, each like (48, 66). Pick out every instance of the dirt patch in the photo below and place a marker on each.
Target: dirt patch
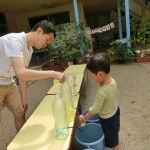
(134, 98)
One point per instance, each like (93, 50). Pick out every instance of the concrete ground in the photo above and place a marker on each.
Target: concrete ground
(134, 99)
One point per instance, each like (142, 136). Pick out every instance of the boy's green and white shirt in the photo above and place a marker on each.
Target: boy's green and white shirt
(106, 100)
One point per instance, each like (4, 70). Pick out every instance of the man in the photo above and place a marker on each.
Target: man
(15, 54)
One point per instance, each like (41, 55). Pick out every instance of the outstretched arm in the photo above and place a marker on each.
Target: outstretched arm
(28, 74)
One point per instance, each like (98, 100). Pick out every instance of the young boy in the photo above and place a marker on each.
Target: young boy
(106, 101)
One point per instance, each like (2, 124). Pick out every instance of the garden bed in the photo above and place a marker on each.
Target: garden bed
(144, 56)
(143, 59)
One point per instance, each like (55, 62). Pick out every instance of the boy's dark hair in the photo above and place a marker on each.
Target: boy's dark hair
(47, 27)
(97, 64)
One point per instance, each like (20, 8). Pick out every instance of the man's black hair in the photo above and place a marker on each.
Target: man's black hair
(47, 27)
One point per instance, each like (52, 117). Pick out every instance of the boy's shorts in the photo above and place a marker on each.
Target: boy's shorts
(10, 96)
(111, 127)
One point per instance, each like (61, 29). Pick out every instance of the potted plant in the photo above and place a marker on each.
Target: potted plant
(120, 53)
(67, 44)
(78, 58)
(72, 45)
(52, 57)
(67, 56)
(48, 53)
(140, 38)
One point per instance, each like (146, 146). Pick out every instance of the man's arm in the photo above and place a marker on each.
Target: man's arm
(27, 74)
(22, 84)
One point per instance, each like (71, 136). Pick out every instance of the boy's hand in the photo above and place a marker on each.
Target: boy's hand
(82, 119)
(85, 117)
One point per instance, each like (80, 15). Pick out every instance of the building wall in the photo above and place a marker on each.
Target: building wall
(18, 23)
(11, 22)
(140, 8)
(137, 9)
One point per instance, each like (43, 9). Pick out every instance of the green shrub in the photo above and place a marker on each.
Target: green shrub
(121, 53)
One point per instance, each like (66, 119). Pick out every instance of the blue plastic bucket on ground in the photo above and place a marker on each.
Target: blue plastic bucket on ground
(94, 119)
(90, 136)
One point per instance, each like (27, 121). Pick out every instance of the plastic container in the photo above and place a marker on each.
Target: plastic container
(60, 117)
(66, 94)
(94, 119)
(90, 136)
(71, 81)
(82, 124)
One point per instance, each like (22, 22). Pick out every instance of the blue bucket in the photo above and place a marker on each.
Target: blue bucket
(90, 136)
(94, 119)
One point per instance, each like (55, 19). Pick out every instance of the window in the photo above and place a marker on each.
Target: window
(3, 24)
(56, 19)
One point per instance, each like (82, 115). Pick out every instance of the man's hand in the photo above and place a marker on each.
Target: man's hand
(25, 104)
(59, 76)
